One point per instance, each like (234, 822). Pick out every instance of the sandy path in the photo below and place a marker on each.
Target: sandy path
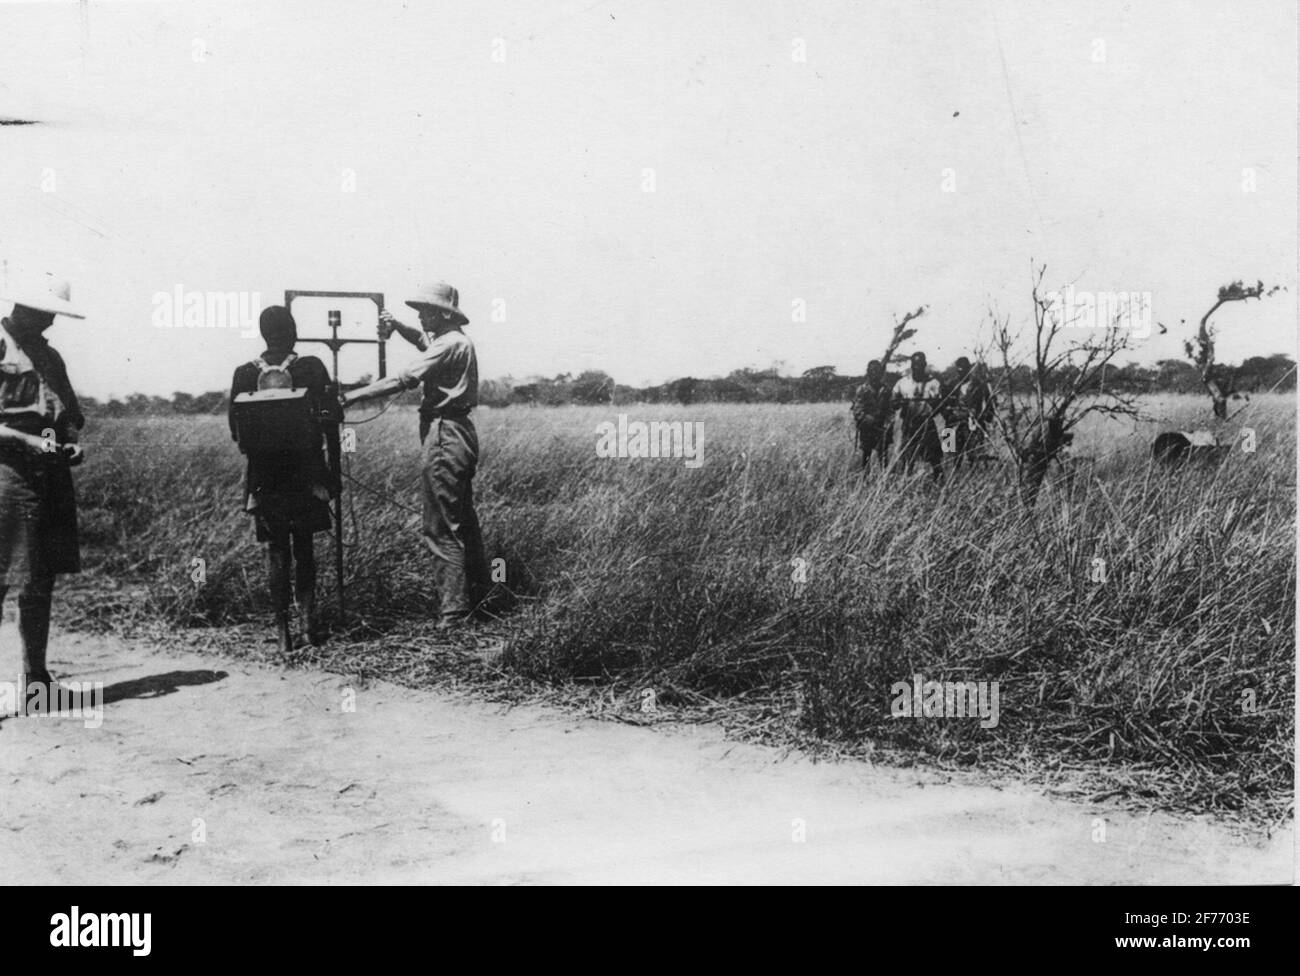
(415, 786)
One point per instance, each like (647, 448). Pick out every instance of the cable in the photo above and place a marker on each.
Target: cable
(383, 410)
(383, 496)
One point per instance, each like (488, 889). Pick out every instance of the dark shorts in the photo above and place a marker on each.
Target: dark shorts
(38, 519)
(277, 515)
(287, 494)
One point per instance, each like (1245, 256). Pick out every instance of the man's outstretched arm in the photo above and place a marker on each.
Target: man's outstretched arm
(388, 325)
(377, 390)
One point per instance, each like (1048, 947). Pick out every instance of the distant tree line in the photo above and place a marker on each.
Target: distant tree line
(820, 384)
(137, 404)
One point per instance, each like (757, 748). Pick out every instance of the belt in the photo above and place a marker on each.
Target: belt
(445, 414)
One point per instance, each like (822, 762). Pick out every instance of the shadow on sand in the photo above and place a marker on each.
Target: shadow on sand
(79, 698)
(157, 685)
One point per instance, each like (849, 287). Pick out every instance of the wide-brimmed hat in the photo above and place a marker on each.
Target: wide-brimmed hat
(43, 294)
(441, 296)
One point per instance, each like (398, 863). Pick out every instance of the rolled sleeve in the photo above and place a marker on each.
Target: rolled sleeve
(435, 353)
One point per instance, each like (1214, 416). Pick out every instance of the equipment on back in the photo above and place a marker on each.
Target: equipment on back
(273, 377)
(277, 418)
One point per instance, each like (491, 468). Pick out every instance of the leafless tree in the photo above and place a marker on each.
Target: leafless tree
(1066, 371)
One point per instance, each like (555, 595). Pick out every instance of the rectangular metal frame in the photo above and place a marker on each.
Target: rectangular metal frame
(335, 344)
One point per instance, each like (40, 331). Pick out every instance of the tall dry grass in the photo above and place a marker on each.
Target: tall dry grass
(1177, 669)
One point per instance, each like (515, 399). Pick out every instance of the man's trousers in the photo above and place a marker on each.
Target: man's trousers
(450, 526)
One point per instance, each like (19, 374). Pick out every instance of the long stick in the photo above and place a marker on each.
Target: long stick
(337, 466)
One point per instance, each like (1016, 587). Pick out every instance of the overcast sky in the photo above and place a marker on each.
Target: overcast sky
(505, 148)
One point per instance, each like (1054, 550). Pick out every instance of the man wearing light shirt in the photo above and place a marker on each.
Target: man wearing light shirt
(448, 371)
(918, 398)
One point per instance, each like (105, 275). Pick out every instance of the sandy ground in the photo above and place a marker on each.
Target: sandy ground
(209, 771)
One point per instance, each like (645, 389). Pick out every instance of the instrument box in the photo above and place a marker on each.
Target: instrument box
(275, 422)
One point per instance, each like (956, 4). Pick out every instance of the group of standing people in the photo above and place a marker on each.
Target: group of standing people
(922, 405)
(288, 491)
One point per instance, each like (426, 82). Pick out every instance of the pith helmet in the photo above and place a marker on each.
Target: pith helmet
(441, 296)
(44, 294)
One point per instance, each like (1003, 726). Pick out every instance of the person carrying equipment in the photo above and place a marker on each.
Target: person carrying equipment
(281, 409)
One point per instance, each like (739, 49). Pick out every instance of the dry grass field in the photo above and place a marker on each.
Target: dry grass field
(1162, 675)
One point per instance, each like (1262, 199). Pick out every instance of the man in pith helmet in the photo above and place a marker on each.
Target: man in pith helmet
(448, 372)
(40, 421)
